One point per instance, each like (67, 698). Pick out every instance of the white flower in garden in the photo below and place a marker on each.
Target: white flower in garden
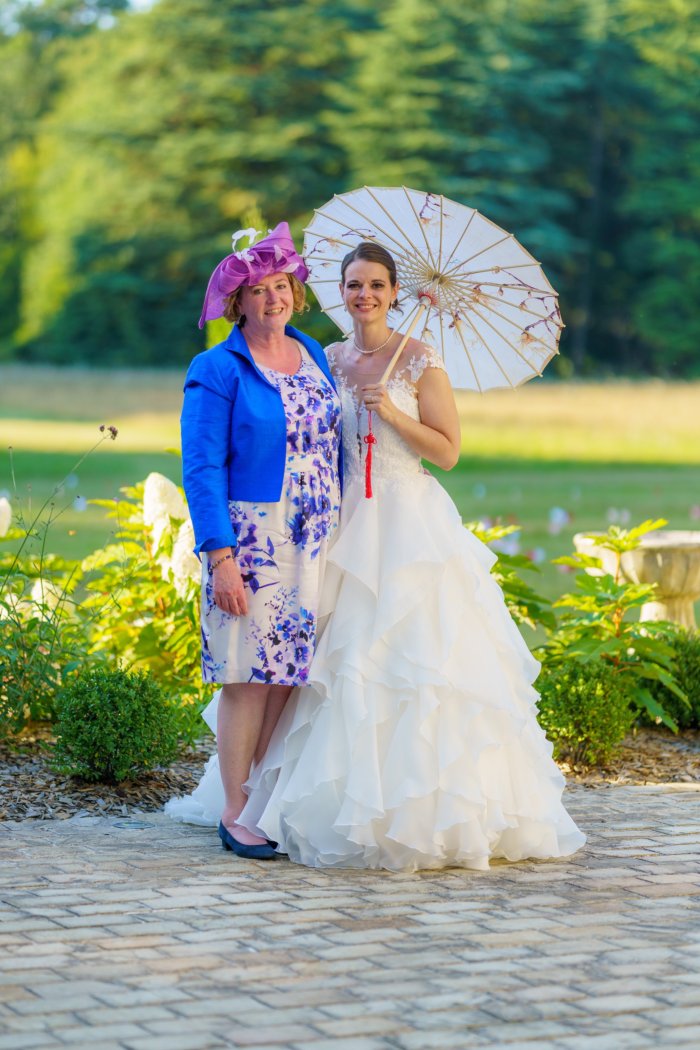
(161, 497)
(5, 515)
(184, 565)
(45, 595)
(162, 500)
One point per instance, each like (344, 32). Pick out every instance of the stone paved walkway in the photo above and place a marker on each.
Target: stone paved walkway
(152, 938)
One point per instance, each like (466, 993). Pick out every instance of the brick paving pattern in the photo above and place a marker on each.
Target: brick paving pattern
(116, 935)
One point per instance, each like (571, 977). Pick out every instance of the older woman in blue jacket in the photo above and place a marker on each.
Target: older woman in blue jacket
(260, 445)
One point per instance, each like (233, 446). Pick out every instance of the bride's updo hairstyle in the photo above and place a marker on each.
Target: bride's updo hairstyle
(368, 251)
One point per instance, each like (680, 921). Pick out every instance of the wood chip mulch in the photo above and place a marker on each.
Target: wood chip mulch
(30, 789)
(649, 756)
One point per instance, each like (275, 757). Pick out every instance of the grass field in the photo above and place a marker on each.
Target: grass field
(594, 450)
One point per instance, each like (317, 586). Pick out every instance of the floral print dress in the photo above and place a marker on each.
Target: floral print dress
(281, 547)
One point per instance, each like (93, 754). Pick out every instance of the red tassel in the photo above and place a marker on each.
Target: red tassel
(369, 440)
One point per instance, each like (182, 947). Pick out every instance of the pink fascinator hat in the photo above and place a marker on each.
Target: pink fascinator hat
(273, 254)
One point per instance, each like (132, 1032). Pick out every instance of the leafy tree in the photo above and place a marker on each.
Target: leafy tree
(662, 248)
(163, 142)
(34, 38)
(132, 143)
(52, 19)
(459, 104)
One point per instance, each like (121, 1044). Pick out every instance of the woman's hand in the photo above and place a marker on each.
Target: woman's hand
(435, 435)
(229, 592)
(376, 399)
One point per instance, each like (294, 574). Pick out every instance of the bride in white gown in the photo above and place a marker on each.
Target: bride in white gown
(415, 743)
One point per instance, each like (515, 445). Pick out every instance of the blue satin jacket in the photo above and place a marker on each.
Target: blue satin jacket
(234, 435)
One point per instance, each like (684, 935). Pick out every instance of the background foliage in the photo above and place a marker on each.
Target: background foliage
(132, 142)
(119, 670)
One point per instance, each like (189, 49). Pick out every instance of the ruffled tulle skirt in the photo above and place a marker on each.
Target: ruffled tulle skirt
(416, 743)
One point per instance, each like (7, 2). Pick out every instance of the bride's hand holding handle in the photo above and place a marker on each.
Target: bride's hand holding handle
(435, 436)
(376, 399)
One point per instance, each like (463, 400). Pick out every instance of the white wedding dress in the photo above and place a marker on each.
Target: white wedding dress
(415, 744)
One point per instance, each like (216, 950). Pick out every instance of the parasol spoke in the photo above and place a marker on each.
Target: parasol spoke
(469, 359)
(463, 234)
(523, 309)
(398, 244)
(402, 232)
(487, 248)
(513, 347)
(422, 230)
(489, 351)
(518, 286)
(442, 339)
(442, 217)
(466, 298)
(504, 284)
(426, 323)
(350, 245)
(323, 261)
(517, 282)
(454, 303)
(518, 328)
(503, 268)
(327, 237)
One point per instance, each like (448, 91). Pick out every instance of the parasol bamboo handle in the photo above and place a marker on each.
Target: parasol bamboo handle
(419, 313)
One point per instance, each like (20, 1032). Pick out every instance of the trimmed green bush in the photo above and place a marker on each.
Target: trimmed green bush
(113, 724)
(584, 710)
(686, 658)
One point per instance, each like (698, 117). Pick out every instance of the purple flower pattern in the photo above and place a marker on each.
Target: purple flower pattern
(281, 548)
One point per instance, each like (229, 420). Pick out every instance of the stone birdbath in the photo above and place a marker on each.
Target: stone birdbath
(669, 558)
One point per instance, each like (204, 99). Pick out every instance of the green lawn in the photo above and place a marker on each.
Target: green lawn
(587, 448)
(77, 532)
(523, 492)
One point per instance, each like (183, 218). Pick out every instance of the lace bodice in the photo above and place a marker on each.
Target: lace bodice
(391, 456)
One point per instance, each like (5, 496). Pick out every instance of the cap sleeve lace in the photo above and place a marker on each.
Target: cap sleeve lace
(430, 358)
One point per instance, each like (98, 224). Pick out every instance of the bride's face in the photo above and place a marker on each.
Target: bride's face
(367, 291)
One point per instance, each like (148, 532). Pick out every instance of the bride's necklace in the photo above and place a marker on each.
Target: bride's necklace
(375, 349)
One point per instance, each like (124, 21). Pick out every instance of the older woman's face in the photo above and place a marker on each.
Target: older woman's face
(269, 304)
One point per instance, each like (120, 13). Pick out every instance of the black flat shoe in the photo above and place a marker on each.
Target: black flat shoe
(262, 852)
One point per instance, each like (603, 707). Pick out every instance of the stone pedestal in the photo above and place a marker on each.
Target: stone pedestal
(669, 558)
